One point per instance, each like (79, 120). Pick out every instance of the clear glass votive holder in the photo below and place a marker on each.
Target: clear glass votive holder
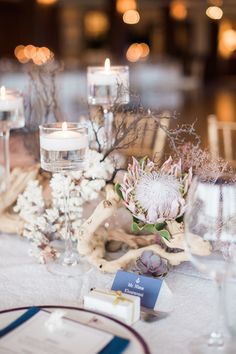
(11, 117)
(63, 147)
(11, 109)
(106, 87)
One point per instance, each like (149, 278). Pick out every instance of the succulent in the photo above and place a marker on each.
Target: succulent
(150, 263)
(155, 195)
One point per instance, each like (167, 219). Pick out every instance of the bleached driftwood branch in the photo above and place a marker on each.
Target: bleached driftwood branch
(9, 221)
(92, 239)
(93, 236)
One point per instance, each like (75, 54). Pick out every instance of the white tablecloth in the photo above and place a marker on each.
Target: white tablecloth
(23, 282)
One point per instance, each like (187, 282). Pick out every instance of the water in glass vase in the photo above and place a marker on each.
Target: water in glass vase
(11, 119)
(63, 151)
(107, 94)
(59, 161)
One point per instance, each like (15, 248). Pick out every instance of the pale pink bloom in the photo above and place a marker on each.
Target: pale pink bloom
(155, 195)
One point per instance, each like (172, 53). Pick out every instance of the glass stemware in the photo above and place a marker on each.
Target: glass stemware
(11, 117)
(210, 217)
(230, 301)
(107, 86)
(63, 149)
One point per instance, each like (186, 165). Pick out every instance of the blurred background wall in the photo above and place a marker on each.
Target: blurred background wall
(181, 53)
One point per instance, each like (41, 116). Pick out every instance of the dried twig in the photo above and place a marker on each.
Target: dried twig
(41, 101)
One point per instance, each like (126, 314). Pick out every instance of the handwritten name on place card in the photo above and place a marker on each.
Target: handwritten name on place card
(146, 288)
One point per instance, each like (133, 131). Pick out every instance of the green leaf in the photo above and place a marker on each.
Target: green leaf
(165, 234)
(150, 228)
(160, 226)
(118, 191)
(143, 161)
(135, 227)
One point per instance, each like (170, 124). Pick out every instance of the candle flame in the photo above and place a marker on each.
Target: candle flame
(2, 91)
(64, 126)
(107, 64)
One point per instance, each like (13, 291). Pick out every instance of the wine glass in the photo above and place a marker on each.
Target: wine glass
(210, 222)
(63, 149)
(230, 300)
(106, 86)
(11, 117)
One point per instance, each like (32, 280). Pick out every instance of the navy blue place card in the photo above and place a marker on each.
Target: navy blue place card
(146, 288)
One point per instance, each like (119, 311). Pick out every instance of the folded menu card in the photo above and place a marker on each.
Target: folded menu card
(31, 334)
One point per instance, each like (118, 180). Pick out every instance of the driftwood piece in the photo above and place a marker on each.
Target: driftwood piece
(18, 181)
(123, 262)
(92, 239)
(93, 236)
(87, 243)
(9, 221)
(130, 240)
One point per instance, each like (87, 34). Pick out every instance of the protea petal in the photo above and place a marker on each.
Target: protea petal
(152, 215)
(178, 169)
(174, 211)
(167, 165)
(153, 195)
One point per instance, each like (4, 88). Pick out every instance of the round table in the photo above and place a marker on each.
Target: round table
(23, 282)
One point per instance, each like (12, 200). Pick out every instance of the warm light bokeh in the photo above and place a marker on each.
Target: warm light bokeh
(226, 39)
(96, 23)
(46, 2)
(229, 38)
(39, 55)
(225, 107)
(29, 51)
(214, 12)
(178, 10)
(137, 51)
(124, 5)
(131, 17)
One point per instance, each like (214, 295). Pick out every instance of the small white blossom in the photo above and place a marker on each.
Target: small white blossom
(41, 222)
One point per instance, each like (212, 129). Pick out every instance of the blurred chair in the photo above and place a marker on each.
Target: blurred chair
(152, 142)
(215, 127)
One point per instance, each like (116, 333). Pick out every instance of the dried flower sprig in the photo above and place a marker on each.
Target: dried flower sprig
(202, 162)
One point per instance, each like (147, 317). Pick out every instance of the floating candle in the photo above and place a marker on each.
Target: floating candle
(103, 83)
(63, 139)
(9, 101)
(11, 109)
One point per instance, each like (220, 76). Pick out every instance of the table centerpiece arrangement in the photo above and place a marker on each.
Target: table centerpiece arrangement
(154, 193)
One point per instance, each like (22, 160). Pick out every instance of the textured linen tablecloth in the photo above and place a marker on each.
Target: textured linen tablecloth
(23, 282)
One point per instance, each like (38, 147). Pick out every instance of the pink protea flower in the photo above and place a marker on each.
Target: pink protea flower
(155, 195)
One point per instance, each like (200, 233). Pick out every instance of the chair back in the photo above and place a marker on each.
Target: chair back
(214, 128)
(152, 142)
